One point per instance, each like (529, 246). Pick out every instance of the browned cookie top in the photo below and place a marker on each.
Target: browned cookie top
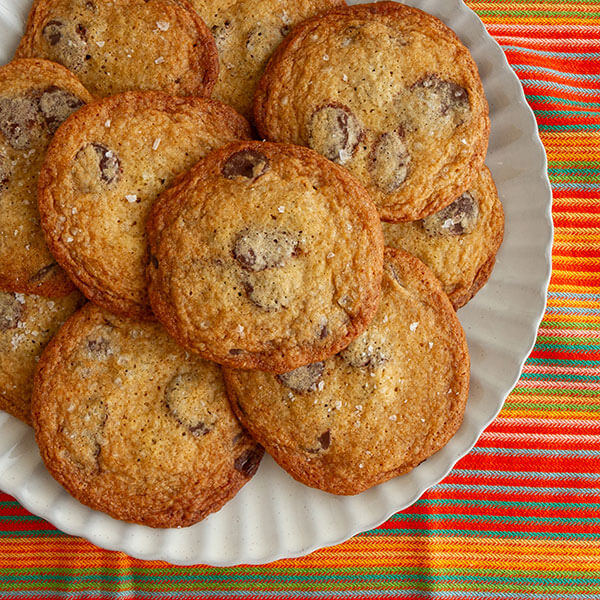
(395, 396)
(36, 96)
(27, 323)
(387, 91)
(460, 242)
(265, 256)
(119, 45)
(247, 32)
(131, 425)
(102, 173)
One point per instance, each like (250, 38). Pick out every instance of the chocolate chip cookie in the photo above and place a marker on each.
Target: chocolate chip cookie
(387, 91)
(131, 425)
(265, 256)
(102, 173)
(119, 45)
(247, 32)
(391, 399)
(460, 242)
(36, 96)
(27, 323)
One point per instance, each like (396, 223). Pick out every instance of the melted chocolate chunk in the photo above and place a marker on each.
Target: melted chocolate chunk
(460, 218)
(334, 132)
(186, 403)
(389, 162)
(247, 462)
(44, 273)
(68, 43)
(96, 168)
(10, 311)
(56, 105)
(365, 352)
(324, 441)
(20, 121)
(303, 379)
(446, 96)
(250, 164)
(260, 250)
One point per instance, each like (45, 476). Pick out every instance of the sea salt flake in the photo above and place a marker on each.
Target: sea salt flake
(430, 345)
(361, 466)
(326, 57)
(393, 418)
(162, 25)
(321, 385)
(281, 209)
(107, 123)
(345, 77)
(338, 404)
(156, 144)
(240, 329)
(413, 326)
(131, 198)
(159, 60)
(100, 44)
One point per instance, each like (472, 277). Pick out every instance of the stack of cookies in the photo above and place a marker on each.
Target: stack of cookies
(243, 295)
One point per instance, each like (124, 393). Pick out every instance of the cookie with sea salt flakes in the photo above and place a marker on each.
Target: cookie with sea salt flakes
(247, 32)
(36, 96)
(27, 323)
(387, 91)
(265, 256)
(104, 170)
(119, 45)
(131, 425)
(460, 242)
(390, 400)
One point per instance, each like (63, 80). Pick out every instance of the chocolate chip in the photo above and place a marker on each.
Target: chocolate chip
(68, 42)
(236, 352)
(334, 132)
(260, 250)
(154, 261)
(56, 105)
(366, 351)
(96, 168)
(324, 332)
(303, 379)
(92, 416)
(389, 161)
(44, 273)
(459, 218)
(189, 405)
(20, 120)
(324, 441)
(247, 462)
(10, 311)
(5, 171)
(250, 164)
(446, 96)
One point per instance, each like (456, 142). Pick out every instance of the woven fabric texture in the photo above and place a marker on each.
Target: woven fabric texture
(519, 517)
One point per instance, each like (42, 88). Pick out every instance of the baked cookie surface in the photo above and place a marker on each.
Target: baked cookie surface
(104, 170)
(247, 32)
(265, 256)
(391, 399)
(27, 323)
(36, 96)
(387, 91)
(119, 45)
(132, 426)
(459, 243)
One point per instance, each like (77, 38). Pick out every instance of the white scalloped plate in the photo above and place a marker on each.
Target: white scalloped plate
(274, 516)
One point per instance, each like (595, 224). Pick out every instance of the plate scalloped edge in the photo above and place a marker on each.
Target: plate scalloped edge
(229, 537)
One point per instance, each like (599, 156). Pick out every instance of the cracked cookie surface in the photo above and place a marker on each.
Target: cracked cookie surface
(265, 256)
(119, 45)
(27, 324)
(247, 32)
(102, 173)
(460, 242)
(376, 410)
(387, 91)
(131, 425)
(36, 96)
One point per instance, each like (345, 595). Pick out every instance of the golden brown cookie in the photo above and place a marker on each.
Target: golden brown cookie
(131, 425)
(247, 32)
(265, 256)
(36, 96)
(390, 400)
(119, 45)
(104, 170)
(27, 323)
(460, 242)
(387, 91)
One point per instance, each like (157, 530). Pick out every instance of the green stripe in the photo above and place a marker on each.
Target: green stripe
(556, 392)
(557, 100)
(454, 532)
(572, 127)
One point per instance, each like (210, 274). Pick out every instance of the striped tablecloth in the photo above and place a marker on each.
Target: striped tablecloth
(519, 517)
